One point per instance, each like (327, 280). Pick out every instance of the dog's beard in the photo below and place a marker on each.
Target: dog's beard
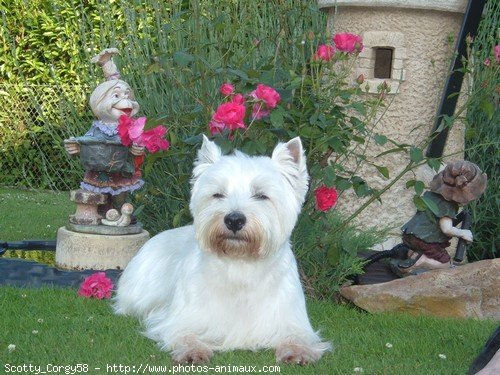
(245, 243)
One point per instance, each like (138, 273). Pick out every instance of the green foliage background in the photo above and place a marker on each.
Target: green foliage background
(482, 136)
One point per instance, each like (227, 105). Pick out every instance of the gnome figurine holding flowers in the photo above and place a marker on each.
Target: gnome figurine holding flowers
(113, 149)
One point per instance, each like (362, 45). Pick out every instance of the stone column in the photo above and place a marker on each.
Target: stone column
(419, 37)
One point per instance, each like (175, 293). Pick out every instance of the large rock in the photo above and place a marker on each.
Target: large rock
(468, 291)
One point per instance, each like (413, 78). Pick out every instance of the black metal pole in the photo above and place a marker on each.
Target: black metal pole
(470, 24)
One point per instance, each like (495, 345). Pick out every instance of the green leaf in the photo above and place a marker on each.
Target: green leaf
(419, 187)
(277, 118)
(392, 150)
(416, 155)
(410, 183)
(361, 189)
(329, 177)
(383, 171)
(380, 139)
(239, 73)
(487, 107)
(360, 107)
(183, 59)
(434, 163)
(419, 203)
(343, 184)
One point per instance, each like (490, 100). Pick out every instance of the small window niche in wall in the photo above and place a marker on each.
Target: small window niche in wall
(383, 62)
(382, 59)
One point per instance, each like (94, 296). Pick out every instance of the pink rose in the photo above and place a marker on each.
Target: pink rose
(124, 124)
(216, 127)
(326, 198)
(487, 62)
(153, 139)
(347, 42)
(267, 94)
(231, 115)
(132, 131)
(227, 89)
(496, 50)
(238, 99)
(97, 286)
(325, 52)
(259, 111)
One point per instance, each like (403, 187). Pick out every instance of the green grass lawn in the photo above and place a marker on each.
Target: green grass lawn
(55, 326)
(30, 215)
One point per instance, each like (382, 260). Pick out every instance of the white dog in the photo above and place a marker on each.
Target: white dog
(230, 280)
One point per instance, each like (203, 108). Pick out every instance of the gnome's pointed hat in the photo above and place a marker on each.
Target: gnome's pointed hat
(460, 182)
(105, 60)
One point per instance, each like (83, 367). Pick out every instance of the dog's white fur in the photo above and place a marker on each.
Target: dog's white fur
(205, 287)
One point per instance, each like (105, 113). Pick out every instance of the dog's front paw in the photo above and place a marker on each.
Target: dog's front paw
(300, 353)
(191, 351)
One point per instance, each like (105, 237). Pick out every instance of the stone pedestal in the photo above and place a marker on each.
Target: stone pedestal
(76, 250)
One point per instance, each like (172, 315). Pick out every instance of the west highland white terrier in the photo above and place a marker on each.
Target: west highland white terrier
(230, 280)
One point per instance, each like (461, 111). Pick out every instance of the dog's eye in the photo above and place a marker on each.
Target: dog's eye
(218, 196)
(261, 197)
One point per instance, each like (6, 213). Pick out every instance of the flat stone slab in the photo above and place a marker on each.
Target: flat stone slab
(28, 274)
(468, 291)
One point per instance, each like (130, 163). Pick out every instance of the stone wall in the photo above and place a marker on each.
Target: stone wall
(421, 35)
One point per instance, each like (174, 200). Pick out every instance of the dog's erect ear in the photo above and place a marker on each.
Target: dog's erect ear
(208, 154)
(291, 160)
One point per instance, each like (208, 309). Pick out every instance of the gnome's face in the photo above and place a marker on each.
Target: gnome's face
(112, 99)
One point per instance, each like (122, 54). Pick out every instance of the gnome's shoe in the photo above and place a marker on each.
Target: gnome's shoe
(416, 263)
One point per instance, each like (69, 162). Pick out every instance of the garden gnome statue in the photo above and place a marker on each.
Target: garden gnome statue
(427, 233)
(111, 168)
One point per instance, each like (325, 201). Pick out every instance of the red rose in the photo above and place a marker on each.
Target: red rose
(267, 94)
(97, 286)
(153, 139)
(124, 124)
(130, 130)
(238, 99)
(226, 89)
(231, 115)
(326, 198)
(325, 52)
(347, 42)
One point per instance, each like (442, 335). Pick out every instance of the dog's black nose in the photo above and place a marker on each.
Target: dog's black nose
(235, 221)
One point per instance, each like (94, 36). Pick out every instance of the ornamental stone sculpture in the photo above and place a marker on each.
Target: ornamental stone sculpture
(111, 168)
(428, 232)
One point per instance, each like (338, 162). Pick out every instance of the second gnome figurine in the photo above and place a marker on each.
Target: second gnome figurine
(428, 233)
(111, 168)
